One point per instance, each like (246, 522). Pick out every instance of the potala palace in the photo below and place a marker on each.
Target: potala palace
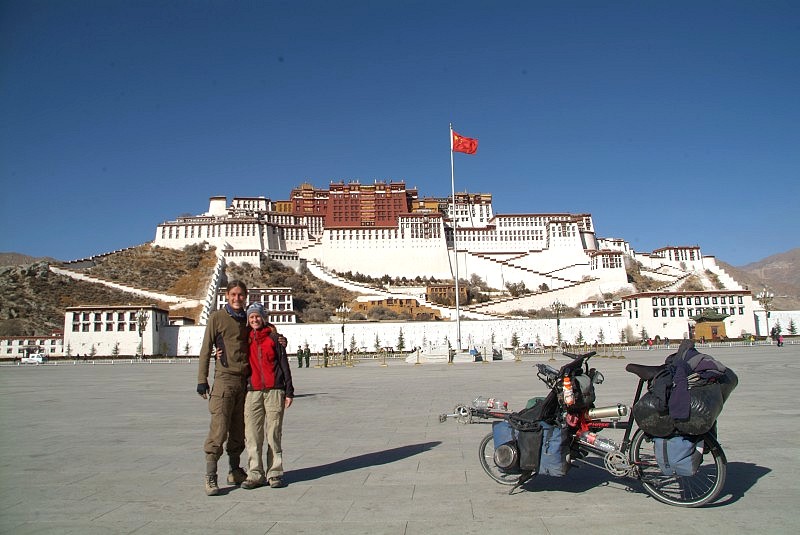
(385, 228)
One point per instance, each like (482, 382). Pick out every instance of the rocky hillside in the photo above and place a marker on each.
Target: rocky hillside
(33, 299)
(178, 272)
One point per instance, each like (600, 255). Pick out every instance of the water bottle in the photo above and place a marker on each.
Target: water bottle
(614, 411)
(569, 396)
(480, 403)
(597, 442)
(490, 403)
(497, 404)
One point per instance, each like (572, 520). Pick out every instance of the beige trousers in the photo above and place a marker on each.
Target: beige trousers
(263, 416)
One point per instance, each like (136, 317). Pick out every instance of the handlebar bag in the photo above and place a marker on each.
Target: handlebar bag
(555, 447)
(583, 390)
(678, 455)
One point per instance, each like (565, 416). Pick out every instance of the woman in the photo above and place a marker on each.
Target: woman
(269, 393)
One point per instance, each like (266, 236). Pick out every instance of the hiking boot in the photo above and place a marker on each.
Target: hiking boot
(276, 482)
(211, 485)
(236, 476)
(250, 484)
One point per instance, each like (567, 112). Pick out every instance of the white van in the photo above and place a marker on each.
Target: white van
(34, 358)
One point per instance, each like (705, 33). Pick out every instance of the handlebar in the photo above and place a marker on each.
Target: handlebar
(577, 362)
(549, 375)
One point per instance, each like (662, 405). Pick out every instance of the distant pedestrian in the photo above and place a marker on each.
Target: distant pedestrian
(299, 357)
(780, 340)
(307, 355)
(325, 356)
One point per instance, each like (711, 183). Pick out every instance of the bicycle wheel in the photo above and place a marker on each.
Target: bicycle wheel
(682, 491)
(486, 457)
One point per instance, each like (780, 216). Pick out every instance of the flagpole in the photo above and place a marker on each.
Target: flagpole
(455, 247)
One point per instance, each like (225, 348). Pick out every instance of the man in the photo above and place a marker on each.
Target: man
(299, 356)
(226, 338)
(307, 355)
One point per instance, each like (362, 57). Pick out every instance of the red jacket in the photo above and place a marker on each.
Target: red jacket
(269, 364)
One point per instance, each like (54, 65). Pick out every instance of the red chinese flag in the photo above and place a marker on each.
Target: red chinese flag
(467, 145)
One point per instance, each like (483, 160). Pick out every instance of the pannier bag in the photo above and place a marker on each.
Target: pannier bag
(506, 450)
(530, 447)
(651, 418)
(678, 455)
(502, 433)
(705, 406)
(516, 450)
(555, 449)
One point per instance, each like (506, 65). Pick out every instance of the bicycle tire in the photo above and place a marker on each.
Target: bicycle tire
(680, 491)
(486, 457)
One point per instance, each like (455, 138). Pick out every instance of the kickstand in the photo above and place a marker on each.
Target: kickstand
(523, 478)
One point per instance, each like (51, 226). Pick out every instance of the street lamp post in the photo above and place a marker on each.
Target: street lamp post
(343, 311)
(765, 298)
(141, 322)
(558, 308)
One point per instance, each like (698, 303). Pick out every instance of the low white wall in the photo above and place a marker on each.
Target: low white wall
(478, 333)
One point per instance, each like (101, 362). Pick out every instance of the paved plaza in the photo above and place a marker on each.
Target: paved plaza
(118, 449)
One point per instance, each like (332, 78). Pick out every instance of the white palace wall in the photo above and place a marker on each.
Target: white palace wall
(396, 257)
(435, 334)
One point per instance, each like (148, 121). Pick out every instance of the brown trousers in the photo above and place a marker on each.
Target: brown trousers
(226, 405)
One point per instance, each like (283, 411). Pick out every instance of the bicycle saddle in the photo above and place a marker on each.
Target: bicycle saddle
(644, 372)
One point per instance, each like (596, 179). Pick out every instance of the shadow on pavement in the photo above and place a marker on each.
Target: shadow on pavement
(360, 461)
(740, 478)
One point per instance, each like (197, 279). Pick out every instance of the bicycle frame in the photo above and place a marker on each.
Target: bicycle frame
(586, 424)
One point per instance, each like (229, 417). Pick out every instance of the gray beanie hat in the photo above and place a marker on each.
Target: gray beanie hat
(256, 308)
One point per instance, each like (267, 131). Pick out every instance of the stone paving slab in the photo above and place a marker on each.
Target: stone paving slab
(118, 449)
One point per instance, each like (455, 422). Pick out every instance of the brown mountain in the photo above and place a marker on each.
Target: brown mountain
(779, 273)
(17, 259)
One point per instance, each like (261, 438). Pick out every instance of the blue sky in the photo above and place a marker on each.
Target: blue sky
(672, 123)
